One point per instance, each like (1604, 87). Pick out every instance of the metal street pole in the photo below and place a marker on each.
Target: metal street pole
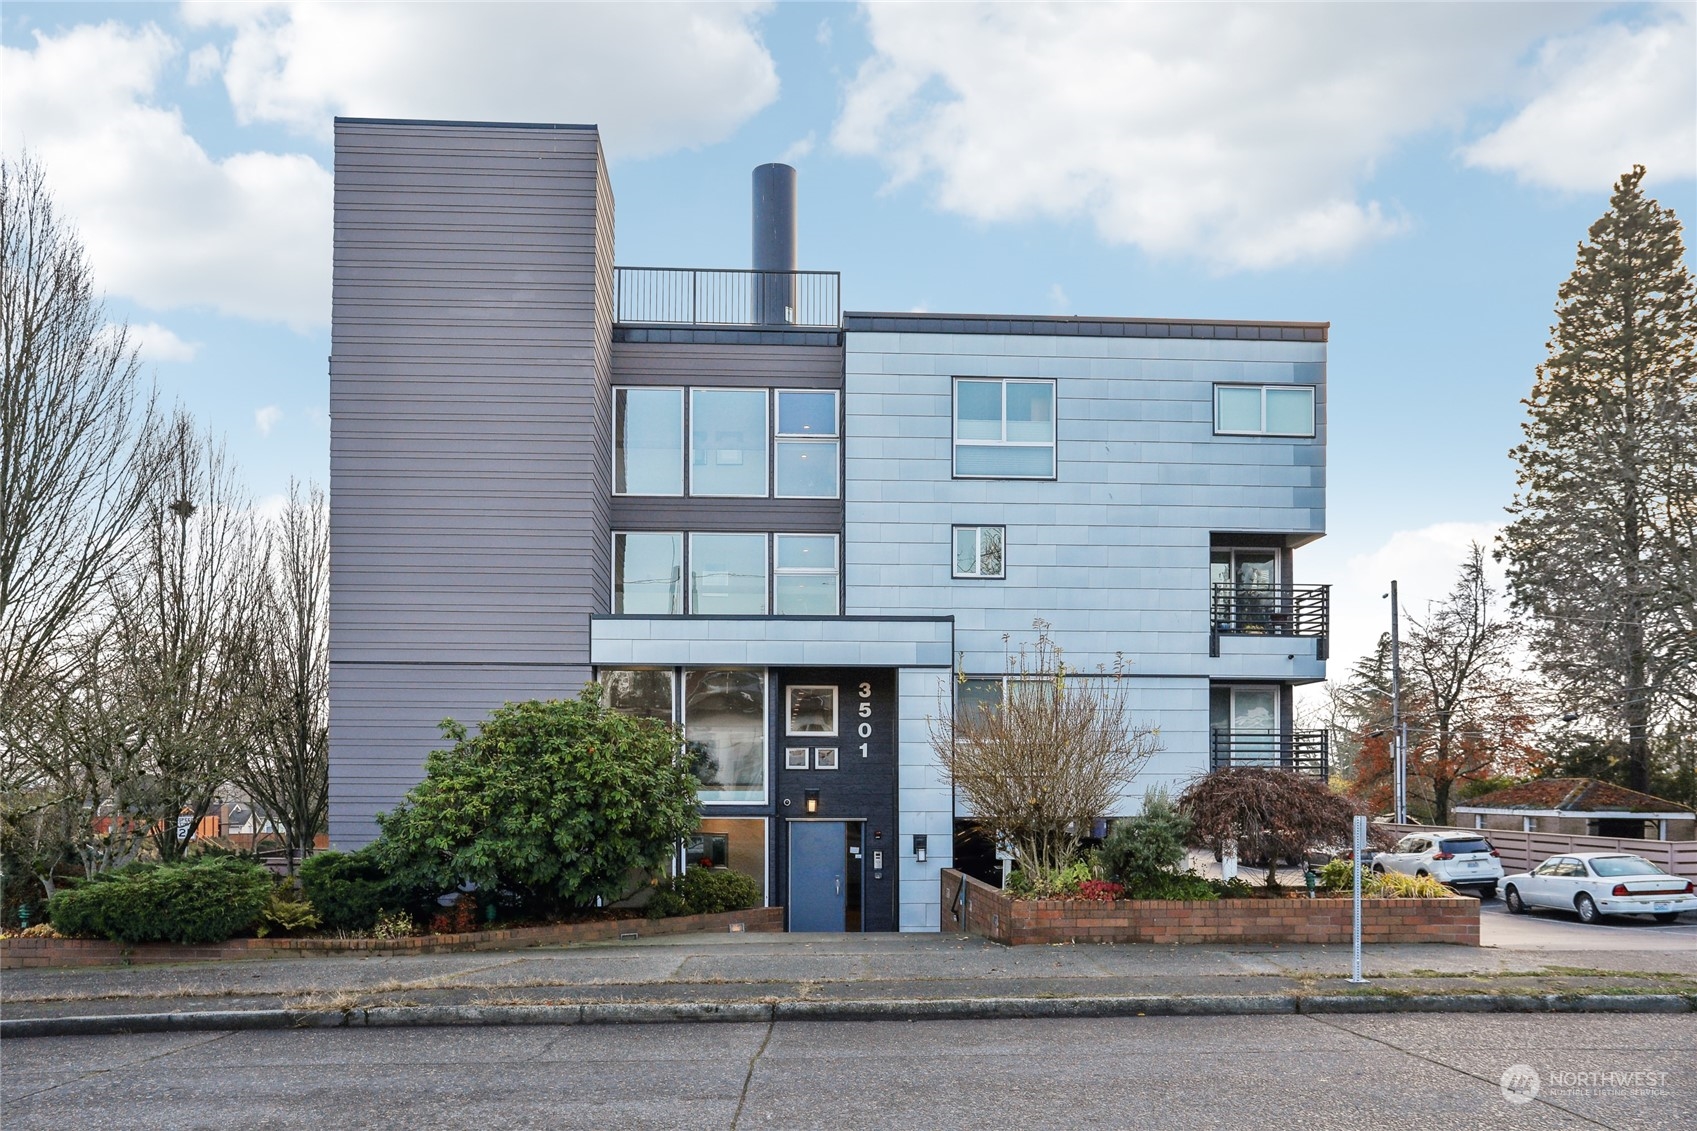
(1399, 730)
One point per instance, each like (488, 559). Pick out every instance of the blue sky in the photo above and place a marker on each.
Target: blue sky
(1417, 175)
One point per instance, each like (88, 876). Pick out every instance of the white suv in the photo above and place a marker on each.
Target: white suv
(1461, 860)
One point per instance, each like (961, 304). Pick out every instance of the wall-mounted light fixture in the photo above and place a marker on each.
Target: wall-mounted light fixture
(812, 801)
(919, 847)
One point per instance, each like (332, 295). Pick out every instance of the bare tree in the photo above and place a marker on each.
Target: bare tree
(74, 474)
(287, 771)
(186, 629)
(1056, 753)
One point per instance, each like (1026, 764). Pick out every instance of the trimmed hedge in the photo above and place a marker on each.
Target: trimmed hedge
(205, 901)
(348, 889)
(704, 891)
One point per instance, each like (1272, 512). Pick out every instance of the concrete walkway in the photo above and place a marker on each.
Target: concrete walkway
(726, 976)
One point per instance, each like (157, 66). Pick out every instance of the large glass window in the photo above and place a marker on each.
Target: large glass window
(737, 843)
(1264, 410)
(643, 692)
(978, 551)
(727, 574)
(727, 442)
(1004, 429)
(805, 454)
(804, 583)
(648, 573)
(648, 441)
(725, 731)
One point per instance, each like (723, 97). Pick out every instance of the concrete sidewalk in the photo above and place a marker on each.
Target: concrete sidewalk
(724, 977)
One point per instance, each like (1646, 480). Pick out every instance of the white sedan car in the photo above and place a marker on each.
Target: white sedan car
(1600, 883)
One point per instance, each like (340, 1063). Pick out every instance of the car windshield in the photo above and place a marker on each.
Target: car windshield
(1624, 866)
(1468, 844)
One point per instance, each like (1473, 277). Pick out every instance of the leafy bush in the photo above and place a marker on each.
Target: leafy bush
(1060, 883)
(1180, 885)
(1106, 891)
(203, 901)
(1150, 845)
(1395, 885)
(457, 919)
(556, 802)
(1339, 875)
(1235, 888)
(704, 891)
(287, 912)
(348, 889)
(394, 925)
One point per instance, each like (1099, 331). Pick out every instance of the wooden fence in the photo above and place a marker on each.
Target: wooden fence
(1523, 851)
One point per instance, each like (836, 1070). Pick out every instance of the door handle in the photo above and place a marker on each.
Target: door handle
(839, 883)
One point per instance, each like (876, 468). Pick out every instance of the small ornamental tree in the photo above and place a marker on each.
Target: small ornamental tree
(1040, 766)
(556, 802)
(1267, 813)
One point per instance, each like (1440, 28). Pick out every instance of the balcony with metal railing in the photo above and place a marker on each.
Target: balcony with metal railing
(1270, 610)
(1302, 752)
(690, 296)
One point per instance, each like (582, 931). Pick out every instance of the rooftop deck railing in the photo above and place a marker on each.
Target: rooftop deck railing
(690, 296)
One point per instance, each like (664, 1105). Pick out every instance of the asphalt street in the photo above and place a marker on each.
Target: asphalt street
(1267, 1073)
(1543, 930)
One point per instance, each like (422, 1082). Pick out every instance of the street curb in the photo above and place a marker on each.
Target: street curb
(895, 1009)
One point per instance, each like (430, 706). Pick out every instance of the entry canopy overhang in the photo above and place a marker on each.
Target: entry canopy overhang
(770, 641)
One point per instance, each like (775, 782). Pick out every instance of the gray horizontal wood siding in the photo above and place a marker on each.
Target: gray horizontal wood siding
(470, 428)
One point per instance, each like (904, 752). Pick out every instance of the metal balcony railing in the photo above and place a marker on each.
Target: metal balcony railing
(689, 296)
(1270, 610)
(1302, 752)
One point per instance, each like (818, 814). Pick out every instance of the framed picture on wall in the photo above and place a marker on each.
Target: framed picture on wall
(795, 758)
(825, 758)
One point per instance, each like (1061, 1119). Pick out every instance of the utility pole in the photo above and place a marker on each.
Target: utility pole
(1399, 729)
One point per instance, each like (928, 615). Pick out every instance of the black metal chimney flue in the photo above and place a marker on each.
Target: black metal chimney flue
(774, 244)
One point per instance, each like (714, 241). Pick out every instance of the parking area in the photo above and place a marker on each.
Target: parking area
(1562, 930)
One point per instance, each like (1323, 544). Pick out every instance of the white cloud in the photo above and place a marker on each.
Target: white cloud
(653, 76)
(1608, 98)
(1240, 134)
(1059, 301)
(156, 343)
(798, 149)
(164, 223)
(266, 418)
(318, 418)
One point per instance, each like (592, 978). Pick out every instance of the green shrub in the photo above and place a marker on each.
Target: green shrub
(1173, 885)
(1395, 885)
(394, 925)
(1235, 888)
(348, 889)
(204, 901)
(286, 912)
(1339, 875)
(1062, 883)
(556, 803)
(1151, 845)
(704, 891)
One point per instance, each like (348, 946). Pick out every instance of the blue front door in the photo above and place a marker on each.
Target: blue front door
(818, 875)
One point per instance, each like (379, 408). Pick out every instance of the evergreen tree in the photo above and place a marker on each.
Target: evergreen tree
(1599, 546)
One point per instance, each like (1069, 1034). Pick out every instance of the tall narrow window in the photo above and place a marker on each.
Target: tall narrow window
(1264, 410)
(804, 582)
(725, 733)
(648, 441)
(727, 442)
(805, 452)
(643, 692)
(1004, 429)
(727, 574)
(979, 550)
(648, 573)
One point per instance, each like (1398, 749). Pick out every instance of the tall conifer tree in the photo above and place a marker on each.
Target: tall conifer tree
(1599, 546)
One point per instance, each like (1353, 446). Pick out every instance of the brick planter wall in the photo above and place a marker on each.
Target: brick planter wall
(983, 910)
(18, 953)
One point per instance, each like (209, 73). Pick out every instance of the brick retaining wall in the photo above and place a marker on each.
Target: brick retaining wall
(992, 914)
(19, 953)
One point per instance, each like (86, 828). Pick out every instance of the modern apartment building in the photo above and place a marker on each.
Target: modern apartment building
(798, 532)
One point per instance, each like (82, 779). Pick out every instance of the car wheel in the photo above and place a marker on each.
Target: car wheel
(1511, 899)
(1587, 908)
(1422, 872)
(1667, 916)
(1379, 868)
